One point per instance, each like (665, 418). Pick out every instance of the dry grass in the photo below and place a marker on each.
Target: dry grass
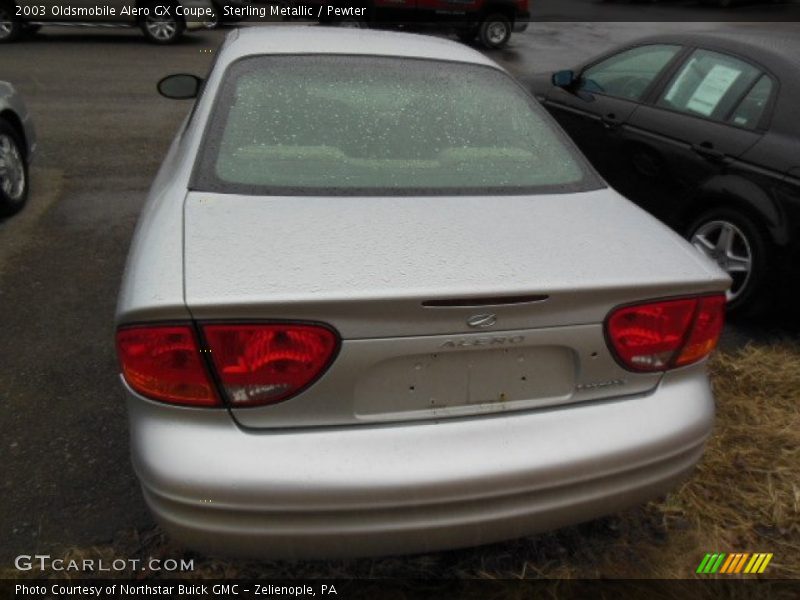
(745, 496)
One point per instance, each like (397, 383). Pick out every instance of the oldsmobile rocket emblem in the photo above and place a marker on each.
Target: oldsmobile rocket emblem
(482, 321)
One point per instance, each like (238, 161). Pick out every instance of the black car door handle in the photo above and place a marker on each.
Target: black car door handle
(707, 150)
(610, 121)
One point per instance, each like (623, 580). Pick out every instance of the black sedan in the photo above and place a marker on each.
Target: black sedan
(703, 131)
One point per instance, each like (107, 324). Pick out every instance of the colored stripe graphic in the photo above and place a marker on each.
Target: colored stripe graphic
(727, 564)
(711, 563)
(718, 563)
(767, 558)
(703, 563)
(730, 564)
(755, 562)
(740, 564)
(737, 562)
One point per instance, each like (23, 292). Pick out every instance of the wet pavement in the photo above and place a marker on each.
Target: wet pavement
(66, 478)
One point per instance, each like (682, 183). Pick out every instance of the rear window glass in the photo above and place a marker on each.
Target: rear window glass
(367, 125)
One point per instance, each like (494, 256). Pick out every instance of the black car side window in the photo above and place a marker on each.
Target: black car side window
(709, 85)
(751, 109)
(629, 73)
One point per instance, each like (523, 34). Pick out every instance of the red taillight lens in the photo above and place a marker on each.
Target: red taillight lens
(164, 363)
(660, 335)
(705, 333)
(265, 364)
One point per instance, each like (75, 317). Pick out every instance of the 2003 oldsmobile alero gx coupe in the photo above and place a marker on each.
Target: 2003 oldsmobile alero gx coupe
(378, 303)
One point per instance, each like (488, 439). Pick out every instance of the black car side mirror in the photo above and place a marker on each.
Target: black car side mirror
(564, 79)
(181, 86)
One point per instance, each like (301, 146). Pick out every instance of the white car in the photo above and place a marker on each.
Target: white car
(377, 302)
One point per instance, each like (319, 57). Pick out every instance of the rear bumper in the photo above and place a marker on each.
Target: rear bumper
(390, 489)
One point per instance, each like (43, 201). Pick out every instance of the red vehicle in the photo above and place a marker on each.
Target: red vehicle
(490, 21)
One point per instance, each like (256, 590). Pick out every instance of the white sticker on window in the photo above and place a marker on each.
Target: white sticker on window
(712, 89)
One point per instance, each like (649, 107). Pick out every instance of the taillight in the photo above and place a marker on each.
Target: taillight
(707, 327)
(164, 363)
(268, 363)
(656, 336)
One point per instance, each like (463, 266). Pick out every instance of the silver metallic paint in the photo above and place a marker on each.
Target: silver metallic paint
(369, 490)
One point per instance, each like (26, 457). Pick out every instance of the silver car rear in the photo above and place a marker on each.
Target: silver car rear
(359, 316)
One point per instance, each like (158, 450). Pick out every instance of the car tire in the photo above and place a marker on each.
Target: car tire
(13, 171)
(163, 30)
(749, 241)
(494, 31)
(11, 28)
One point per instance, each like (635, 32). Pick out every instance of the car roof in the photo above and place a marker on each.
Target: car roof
(248, 41)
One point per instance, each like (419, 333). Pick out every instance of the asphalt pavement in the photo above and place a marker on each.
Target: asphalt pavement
(66, 477)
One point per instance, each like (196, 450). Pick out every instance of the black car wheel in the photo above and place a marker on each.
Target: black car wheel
(740, 247)
(10, 26)
(13, 171)
(495, 31)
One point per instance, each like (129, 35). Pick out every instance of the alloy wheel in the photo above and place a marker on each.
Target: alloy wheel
(12, 169)
(162, 29)
(728, 246)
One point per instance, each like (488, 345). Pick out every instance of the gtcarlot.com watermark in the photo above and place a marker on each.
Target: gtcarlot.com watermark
(44, 562)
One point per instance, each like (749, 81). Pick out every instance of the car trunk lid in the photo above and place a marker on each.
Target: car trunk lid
(446, 306)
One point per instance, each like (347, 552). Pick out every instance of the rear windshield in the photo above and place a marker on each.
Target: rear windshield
(357, 125)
